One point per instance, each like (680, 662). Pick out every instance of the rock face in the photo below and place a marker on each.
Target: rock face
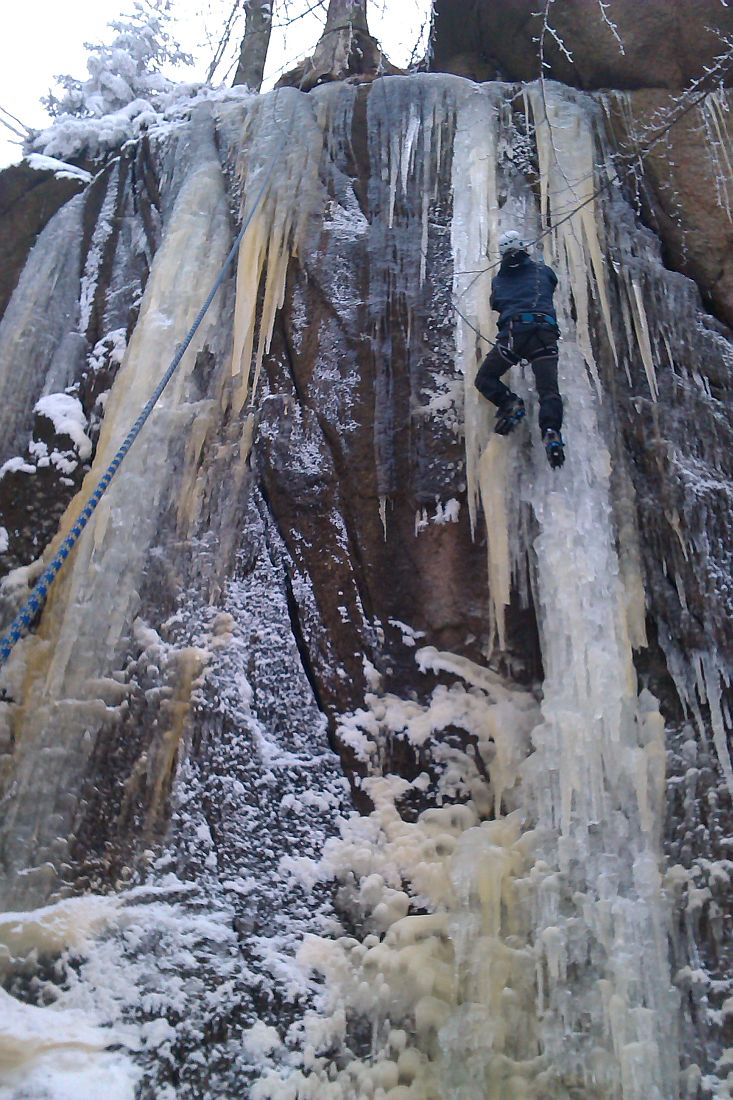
(622, 45)
(28, 199)
(280, 612)
(686, 187)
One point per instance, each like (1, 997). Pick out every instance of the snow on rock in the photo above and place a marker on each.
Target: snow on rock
(68, 924)
(98, 135)
(67, 416)
(57, 1055)
(59, 167)
(63, 1048)
(16, 465)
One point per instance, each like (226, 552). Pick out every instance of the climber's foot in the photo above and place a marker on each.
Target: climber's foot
(508, 415)
(554, 447)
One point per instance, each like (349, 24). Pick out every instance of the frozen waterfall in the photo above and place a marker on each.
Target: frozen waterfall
(179, 845)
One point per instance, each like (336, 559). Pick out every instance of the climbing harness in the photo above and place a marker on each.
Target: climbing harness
(534, 319)
(23, 620)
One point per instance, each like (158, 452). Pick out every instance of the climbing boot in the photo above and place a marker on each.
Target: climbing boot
(554, 447)
(508, 415)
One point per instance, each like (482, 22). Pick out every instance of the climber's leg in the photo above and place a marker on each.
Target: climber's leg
(510, 408)
(488, 379)
(545, 373)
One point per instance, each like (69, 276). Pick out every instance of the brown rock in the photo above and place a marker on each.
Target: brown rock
(665, 45)
(688, 191)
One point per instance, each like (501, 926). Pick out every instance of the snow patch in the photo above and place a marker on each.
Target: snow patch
(16, 465)
(67, 416)
(60, 168)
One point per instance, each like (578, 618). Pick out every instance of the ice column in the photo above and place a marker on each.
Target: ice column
(594, 783)
(475, 230)
(598, 772)
(39, 323)
(475, 233)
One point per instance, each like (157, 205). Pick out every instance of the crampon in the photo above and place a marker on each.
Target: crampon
(509, 415)
(554, 448)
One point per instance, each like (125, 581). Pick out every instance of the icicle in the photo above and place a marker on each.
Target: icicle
(668, 347)
(427, 193)
(407, 149)
(383, 516)
(295, 194)
(630, 558)
(642, 335)
(492, 485)
(714, 109)
(474, 236)
(712, 674)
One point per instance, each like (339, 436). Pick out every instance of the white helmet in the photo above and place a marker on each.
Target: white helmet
(511, 242)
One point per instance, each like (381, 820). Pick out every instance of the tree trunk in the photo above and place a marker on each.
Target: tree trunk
(347, 11)
(346, 50)
(253, 53)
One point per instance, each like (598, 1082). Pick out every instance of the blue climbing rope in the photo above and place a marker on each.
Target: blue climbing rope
(23, 620)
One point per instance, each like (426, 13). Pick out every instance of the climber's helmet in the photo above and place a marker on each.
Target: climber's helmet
(511, 243)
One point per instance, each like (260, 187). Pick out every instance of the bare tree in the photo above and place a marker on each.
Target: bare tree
(256, 40)
(346, 50)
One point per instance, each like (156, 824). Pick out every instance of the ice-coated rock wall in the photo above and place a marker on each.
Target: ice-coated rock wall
(357, 753)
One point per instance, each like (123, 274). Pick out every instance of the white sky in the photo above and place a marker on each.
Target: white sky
(42, 38)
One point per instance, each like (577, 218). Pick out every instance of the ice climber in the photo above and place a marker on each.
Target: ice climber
(521, 293)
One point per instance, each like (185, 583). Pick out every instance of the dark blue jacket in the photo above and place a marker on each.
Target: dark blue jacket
(527, 287)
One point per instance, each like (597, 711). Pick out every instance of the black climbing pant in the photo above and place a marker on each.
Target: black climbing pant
(538, 345)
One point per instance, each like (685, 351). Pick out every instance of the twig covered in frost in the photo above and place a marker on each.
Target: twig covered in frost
(548, 29)
(22, 133)
(696, 92)
(224, 40)
(712, 78)
(290, 19)
(426, 34)
(604, 5)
